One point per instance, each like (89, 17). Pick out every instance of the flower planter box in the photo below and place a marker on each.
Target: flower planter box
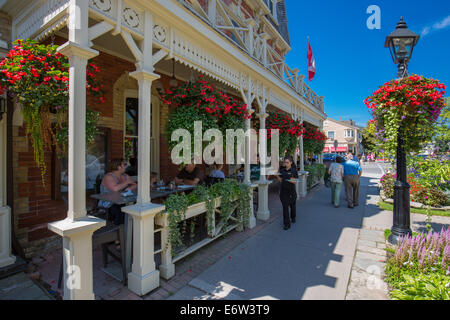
(194, 210)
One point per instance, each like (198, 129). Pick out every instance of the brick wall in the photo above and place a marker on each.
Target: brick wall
(34, 206)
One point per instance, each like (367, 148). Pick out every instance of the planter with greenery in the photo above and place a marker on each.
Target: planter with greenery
(230, 196)
(38, 77)
(316, 174)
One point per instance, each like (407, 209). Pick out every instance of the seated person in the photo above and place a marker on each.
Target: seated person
(132, 168)
(217, 172)
(153, 180)
(255, 170)
(116, 180)
(190, 175)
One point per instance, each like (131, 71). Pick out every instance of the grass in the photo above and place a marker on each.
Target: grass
(389, 207)
(387, 233)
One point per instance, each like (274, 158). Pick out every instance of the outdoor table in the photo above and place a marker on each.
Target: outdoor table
(117, 198)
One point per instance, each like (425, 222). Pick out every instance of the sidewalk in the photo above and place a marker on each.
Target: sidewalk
(21, 287)
(312, 260)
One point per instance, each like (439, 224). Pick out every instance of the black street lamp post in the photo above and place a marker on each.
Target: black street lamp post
(401, 43)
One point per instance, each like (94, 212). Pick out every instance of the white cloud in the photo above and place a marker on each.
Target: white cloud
(444, 23)
(425, 31)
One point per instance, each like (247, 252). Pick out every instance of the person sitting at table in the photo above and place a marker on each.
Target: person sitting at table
(132, 168)
(154, 180)
(116, 180)
(217, 172)
(190, 175)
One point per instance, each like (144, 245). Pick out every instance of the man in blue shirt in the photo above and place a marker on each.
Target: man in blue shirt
(352, 174)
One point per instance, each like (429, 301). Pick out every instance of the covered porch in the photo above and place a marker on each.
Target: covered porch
(141, 48)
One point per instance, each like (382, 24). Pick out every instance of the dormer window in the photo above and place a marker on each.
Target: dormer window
(271, 4)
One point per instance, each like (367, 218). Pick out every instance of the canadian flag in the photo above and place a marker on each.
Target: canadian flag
(311, 63)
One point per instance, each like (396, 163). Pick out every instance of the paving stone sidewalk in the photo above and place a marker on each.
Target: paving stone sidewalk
(21, 287)
(366, 279)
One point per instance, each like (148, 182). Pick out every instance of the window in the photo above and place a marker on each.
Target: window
(96, 159)
(349, 133)
(131, 127)
(330, 134)
(271, 5)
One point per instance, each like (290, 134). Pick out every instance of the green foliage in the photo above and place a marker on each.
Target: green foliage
(184, 118)
(422, 287)
(233, 195)
(316, 172)
(38, 76)
(290, 131)
(428, 181)
(200, 101)
(313, 141)
(369, 139)
(176, 206)
(62, 135)
(408, 107)
(431, 173)
(441, 136)
(419, 269)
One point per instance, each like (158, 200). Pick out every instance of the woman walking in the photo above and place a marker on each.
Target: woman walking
(336, 172)
(288, 195)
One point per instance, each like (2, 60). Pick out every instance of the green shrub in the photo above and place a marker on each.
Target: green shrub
(316, 172)
(420, 267)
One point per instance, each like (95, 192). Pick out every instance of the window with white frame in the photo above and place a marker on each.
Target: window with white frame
(349, 133)
(330, 134)
(131, 129)
(271, 4)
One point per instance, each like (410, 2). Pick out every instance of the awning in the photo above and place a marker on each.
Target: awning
(339, 149)
(326, 149)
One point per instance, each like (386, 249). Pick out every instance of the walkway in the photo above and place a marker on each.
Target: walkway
(21, 287)
(312, 260)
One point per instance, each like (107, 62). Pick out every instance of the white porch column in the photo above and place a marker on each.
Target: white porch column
(263, 184)
(144, 276)
(77, 228)
(6, 258)
(248, 144)
(303, 175)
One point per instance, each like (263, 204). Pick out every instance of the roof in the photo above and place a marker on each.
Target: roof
(347, 123)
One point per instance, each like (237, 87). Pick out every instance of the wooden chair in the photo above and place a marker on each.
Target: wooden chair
(105, 236)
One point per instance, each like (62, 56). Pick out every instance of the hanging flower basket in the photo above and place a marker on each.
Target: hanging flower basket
(408, 107)
(37, 76)
(200, 101)
(313, 141)
(290, 131)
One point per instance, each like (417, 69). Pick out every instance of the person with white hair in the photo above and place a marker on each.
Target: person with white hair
(352, 175)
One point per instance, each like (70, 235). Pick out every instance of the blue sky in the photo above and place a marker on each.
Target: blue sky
(351, 60)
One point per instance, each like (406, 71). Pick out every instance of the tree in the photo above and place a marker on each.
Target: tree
(369, 140)
(441, 136)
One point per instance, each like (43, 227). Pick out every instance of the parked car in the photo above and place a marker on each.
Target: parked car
(329, 156)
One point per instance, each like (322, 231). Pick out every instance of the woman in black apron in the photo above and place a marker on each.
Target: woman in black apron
(288, 195)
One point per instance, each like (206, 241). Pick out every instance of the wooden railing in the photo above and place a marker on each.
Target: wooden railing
(244, 35)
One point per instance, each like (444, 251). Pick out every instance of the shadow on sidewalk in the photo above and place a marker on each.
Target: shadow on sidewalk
(312, 260)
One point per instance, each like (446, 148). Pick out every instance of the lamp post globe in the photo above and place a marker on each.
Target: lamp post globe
(401, 43)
